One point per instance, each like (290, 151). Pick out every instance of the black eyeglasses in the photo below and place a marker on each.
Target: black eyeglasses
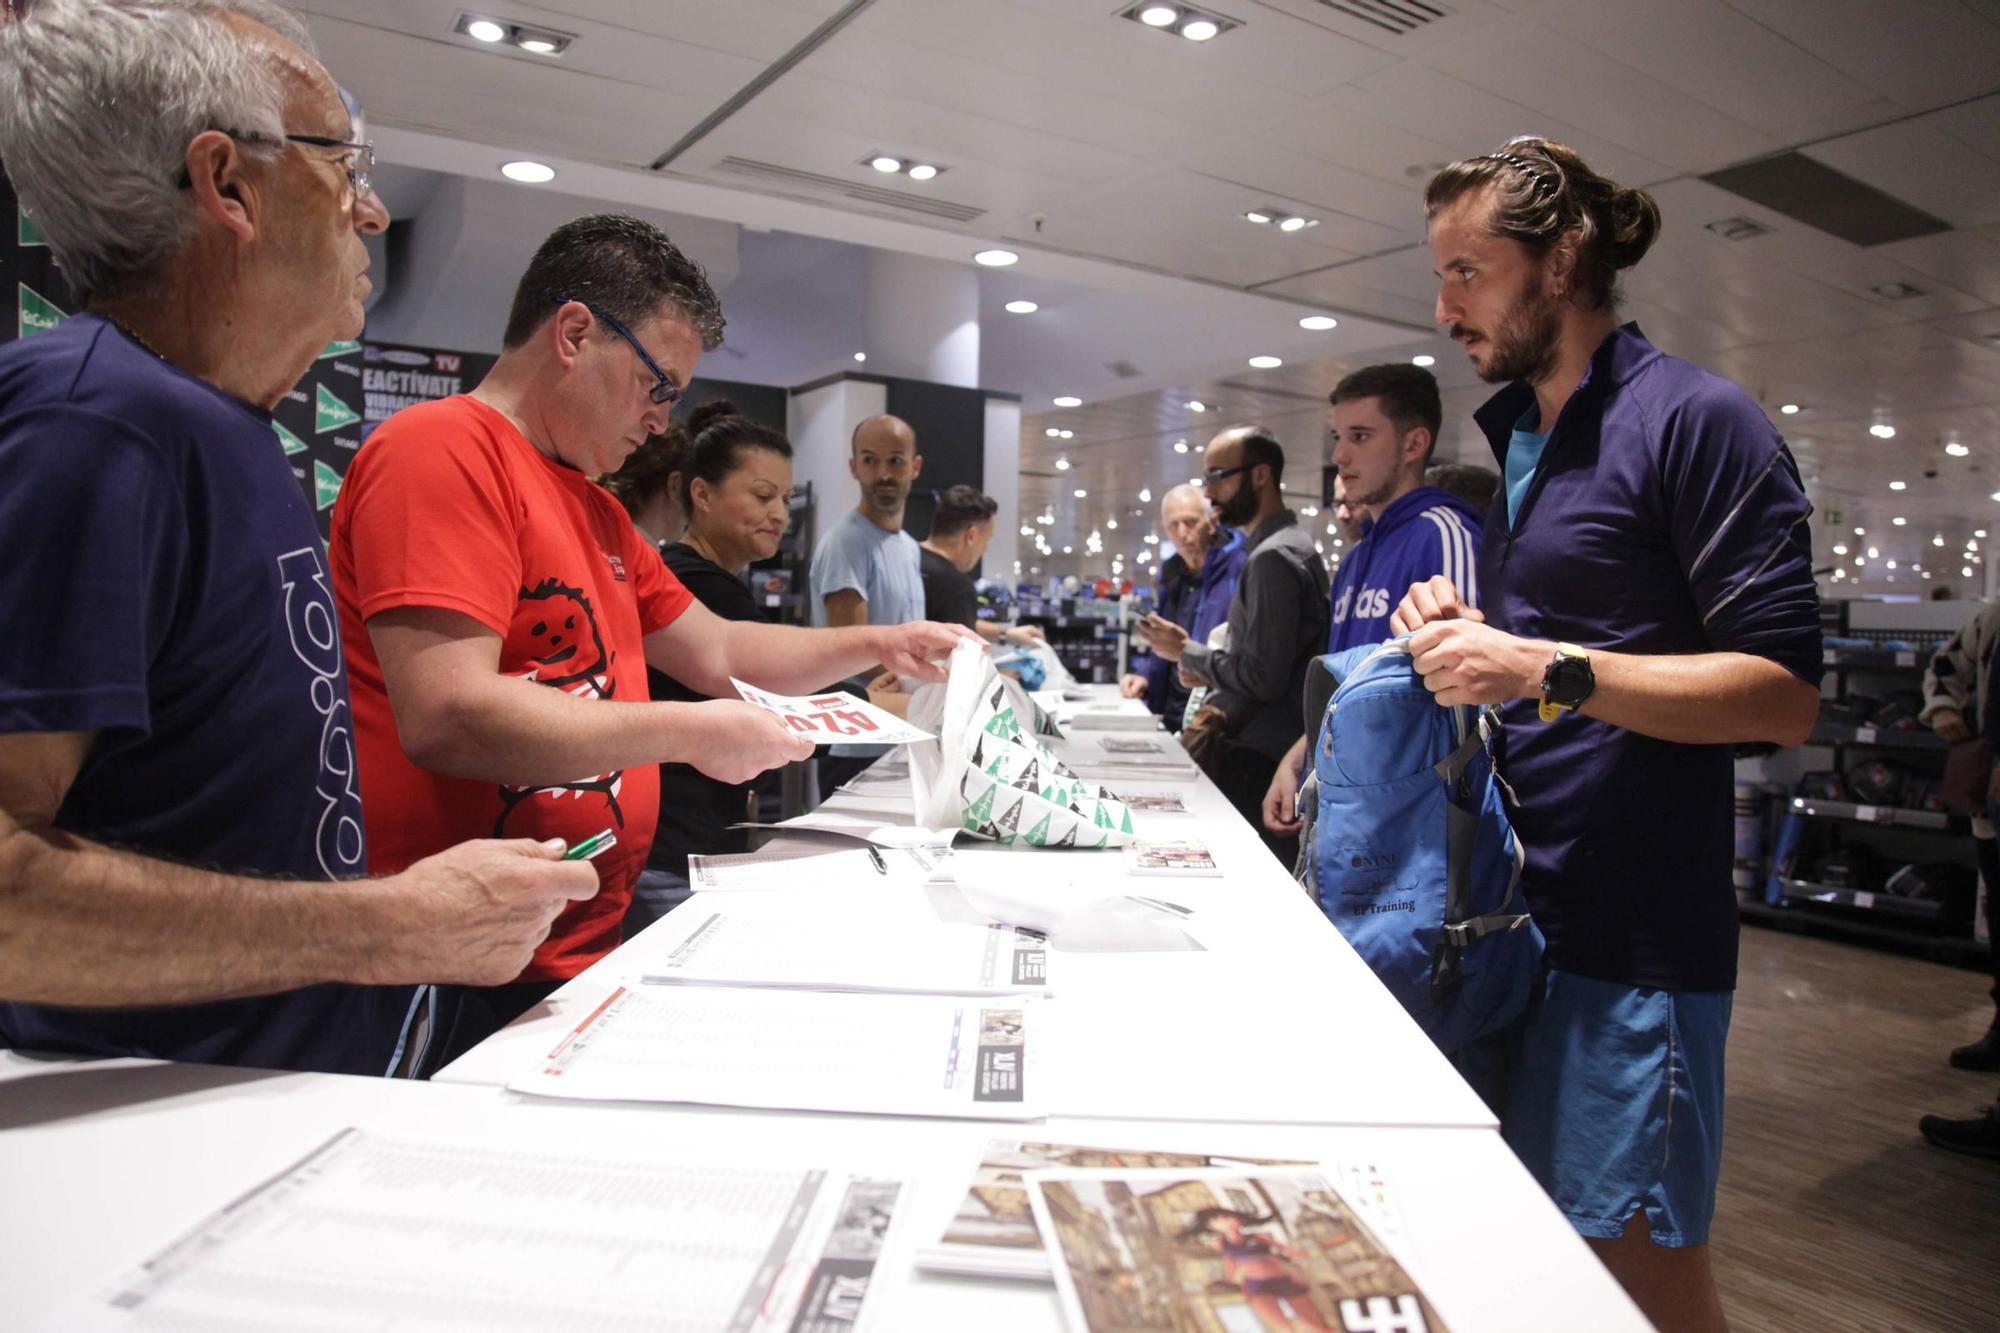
(1215, 474)
(359, 162)
(664, 392)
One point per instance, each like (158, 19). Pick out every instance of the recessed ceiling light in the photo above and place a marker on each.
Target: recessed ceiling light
(1027, 531)
(1896, 486)
(1199, 30)
(1067, 400)
(1965, 571)
(485, 30)
(1180, 447)
(1062, 465)
(1294, 224)
(1789, 409)
(887, 165)
(996, 258)
(922, 171)
(528, 173)
(1874, 554)
(1899, 520)
(1111, 523)
(1861, 532)
(1081, 493)
(1882, 432)
(1889, 564)
(1159, 16)
(1022, 307)
(1840, 548)
(1979, 533)
(1423, 359)
(861, 356)
(1265, 362)
(1145, 494)
(1261, 219)
(1319, 323)
(1956, 450)
(1938, 540)
(541, 46)
(1196, 405)
(1896, 291)
(1051, 432)
(1068, 434)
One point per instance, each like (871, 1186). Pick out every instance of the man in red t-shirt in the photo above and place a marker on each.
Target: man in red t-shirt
(499, 609)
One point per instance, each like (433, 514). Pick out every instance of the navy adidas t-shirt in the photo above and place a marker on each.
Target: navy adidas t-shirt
(162, 585)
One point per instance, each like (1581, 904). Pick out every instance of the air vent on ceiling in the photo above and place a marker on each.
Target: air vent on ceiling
(1737, 229)
(1391, 16)
(1124, 370)
(1814, 193)
(773, 174)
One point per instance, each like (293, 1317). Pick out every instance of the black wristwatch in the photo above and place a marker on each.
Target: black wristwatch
(1567, 682)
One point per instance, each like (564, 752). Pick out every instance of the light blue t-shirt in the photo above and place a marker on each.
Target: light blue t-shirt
(1524, 455)
(884, 567)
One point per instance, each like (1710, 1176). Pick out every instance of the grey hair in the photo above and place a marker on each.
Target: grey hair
(98, 100)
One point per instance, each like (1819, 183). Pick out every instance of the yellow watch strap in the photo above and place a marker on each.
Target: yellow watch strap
(1546, 710)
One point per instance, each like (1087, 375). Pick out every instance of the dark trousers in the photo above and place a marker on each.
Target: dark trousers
(1988, 850)
(468, 1015)
(1244, 775)
(834, 769)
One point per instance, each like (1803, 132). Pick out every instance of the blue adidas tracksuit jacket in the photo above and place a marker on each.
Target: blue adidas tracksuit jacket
(1425, 533)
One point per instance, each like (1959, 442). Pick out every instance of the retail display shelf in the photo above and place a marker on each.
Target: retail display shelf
(1875, 814)
(1860, 658)
(1806, 918)
(1889, 904)
(1885, 738)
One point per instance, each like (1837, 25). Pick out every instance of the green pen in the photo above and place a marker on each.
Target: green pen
(591, 846)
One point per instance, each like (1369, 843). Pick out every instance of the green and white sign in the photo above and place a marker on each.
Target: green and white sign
(330, 413)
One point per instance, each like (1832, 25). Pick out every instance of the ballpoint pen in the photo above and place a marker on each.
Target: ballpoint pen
(591, 846)
(881, 866)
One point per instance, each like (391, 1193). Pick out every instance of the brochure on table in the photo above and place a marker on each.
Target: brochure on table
(1206, 1248)
(834, 718)
(387, 1230)
(799, 1050)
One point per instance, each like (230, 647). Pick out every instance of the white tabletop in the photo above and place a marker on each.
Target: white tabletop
(1275, 1020)
(107, 1162)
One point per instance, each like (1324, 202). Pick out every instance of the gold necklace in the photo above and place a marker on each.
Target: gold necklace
(133, 334)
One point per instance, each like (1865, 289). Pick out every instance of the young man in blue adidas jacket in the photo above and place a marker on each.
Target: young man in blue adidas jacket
(1648, 600)
(1384, 421)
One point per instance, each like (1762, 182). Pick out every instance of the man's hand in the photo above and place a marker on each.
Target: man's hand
(736, 740)
(1024, 634)
(886, 692)
(1162, 636)
(1188, 679)
(1281, 800)
(1949, 724)
(1434, 599)
(1465, 662)
(1131, 686)
(920, 648)
(474, 914)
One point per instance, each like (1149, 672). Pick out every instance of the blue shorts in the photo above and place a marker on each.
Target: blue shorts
(1615, 1104)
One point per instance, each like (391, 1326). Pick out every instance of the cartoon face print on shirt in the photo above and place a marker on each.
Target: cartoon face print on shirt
(566, 651)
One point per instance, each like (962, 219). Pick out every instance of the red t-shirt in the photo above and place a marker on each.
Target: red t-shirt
(450, 506)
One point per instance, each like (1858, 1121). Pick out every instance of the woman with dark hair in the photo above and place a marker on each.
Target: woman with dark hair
(734, 480)
(649, 485)
(1260, 1266)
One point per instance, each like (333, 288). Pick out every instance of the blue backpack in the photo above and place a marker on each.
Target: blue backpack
(1407, 847)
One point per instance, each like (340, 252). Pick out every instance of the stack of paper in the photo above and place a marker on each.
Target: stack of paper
(382, 1230)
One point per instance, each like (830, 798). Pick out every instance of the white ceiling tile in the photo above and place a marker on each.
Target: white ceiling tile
(1918, 53)
(1975, 124)
(1546, 71)
(1966, 260)
(1923, 166)
(1715, 54)
(1340, 131)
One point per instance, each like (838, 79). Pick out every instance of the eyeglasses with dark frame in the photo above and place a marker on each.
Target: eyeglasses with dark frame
(358, 162)
(1215, 474)
(665, 392)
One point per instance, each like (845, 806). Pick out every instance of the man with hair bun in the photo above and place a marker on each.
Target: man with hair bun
(1646, 601)
(500, 610)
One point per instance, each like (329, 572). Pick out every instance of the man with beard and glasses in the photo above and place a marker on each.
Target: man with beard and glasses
(1646, 581)
(1384, 420)
(1276, 625)
(866, 570)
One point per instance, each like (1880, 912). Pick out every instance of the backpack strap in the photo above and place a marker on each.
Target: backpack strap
(1460, 928)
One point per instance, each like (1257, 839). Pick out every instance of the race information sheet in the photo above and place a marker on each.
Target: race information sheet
(383, 1230)
(802, 1050)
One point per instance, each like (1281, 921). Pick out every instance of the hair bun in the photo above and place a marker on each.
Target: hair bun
(708, 413)
(1635, 225)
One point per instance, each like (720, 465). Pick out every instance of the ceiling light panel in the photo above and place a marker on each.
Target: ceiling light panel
(498, 33)
(900, 164)
(1191, 23)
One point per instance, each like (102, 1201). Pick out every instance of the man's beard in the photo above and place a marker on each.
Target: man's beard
(1239, 508)
(1525, 344)
(885, 500)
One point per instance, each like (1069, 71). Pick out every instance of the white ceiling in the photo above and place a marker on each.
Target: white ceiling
(1118, 160)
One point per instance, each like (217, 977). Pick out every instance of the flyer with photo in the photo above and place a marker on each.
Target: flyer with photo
(1170, 1250)
(834, 717)
(1184, 859)
(1131, 745)
(993, 1234)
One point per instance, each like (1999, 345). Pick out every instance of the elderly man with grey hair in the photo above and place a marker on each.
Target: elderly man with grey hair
(181, 843)
(1194, 588)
